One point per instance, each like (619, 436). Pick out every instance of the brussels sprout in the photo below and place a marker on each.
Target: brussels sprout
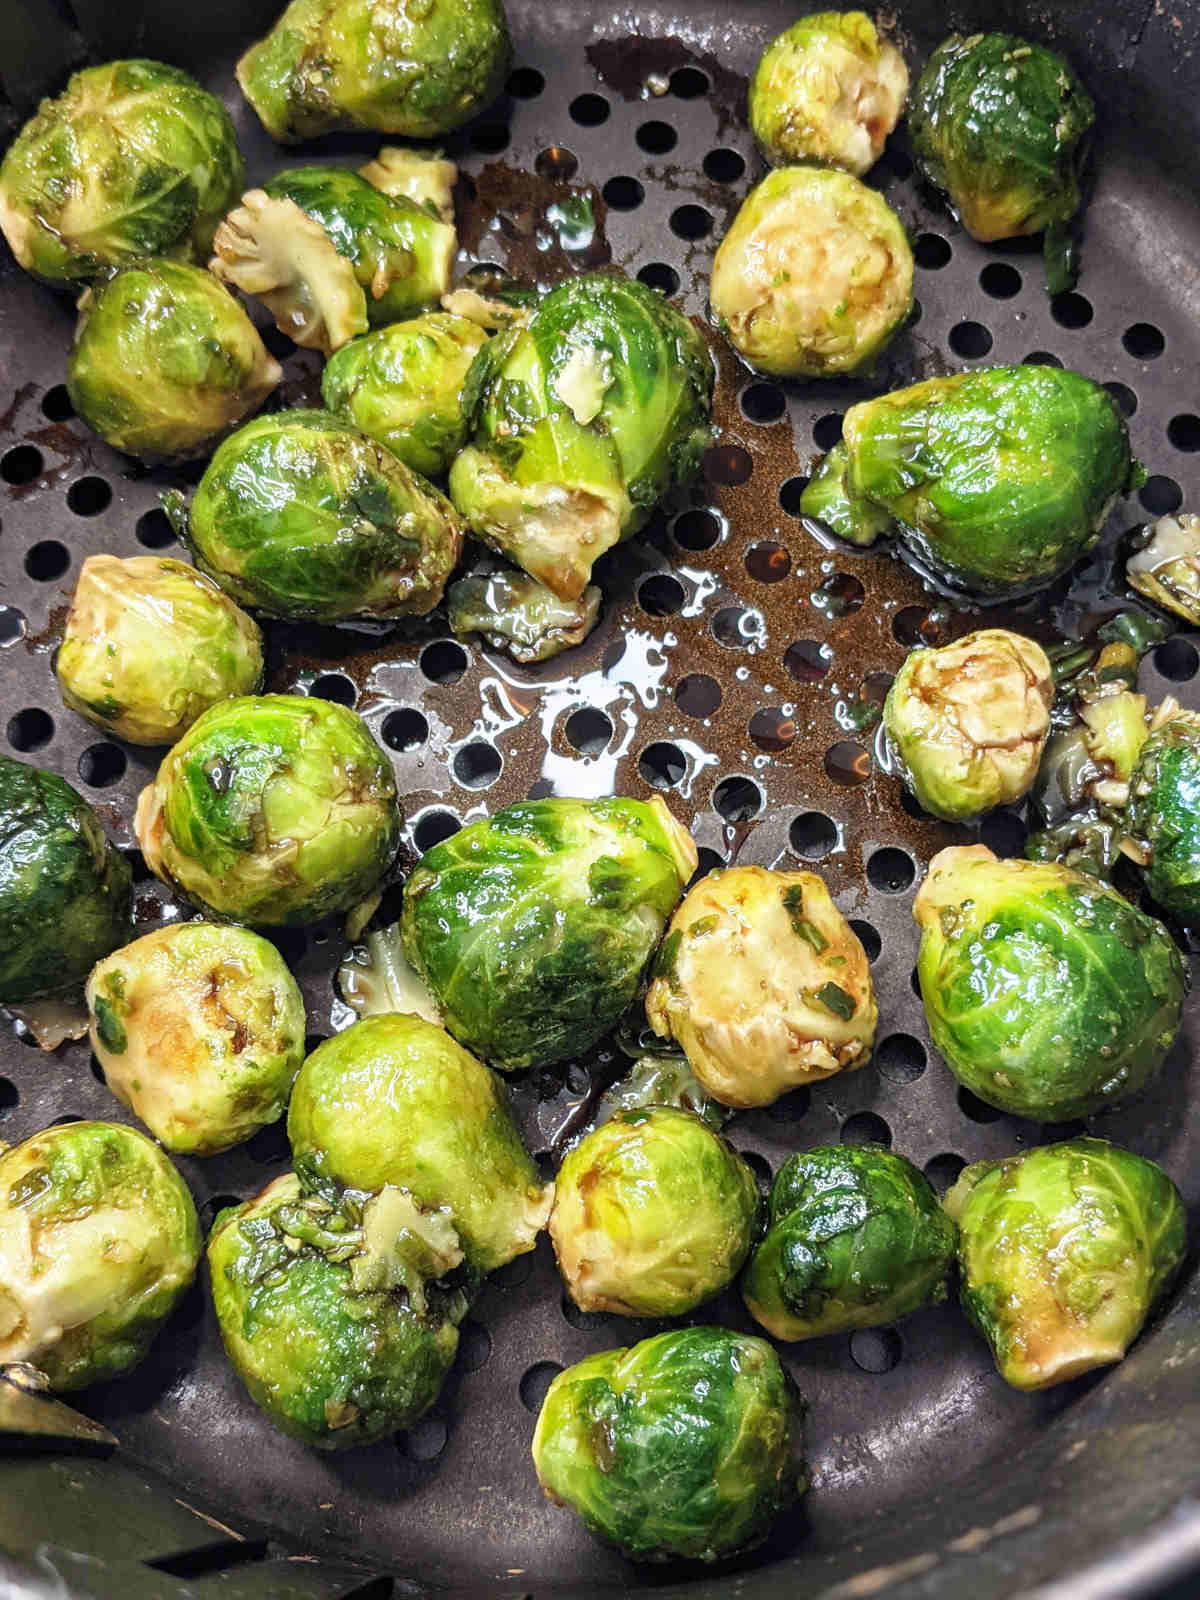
(967, 724)
(814, 277)
(151, 643)
(301, 515)
(998, 480)
(687, 1444)
(415, 175)
(274, 809)
(393, 1100)
(856, 1239)
(1165, 566)
(65, 892)
(1049, 995)
(133, 159)
(664, 1079)
(335, 1355)
(403, 386)
(763, 983)
(491, 297)
(653, 1214)
(1000, 125)
(515, 612)
(533, 927)
(584, 418)
(1164, 812)
(829, 89)
(98, 1240)
(826, 499)
(1063, 1251)
(416, 70)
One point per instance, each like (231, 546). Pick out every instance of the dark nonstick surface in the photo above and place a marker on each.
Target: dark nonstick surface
(731, 644)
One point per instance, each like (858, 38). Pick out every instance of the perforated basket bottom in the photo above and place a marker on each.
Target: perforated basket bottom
(731, 642)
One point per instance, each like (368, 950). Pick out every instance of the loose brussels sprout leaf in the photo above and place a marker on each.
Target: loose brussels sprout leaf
(967, 724)
(200, 1031)
(533, 927)
(491, 297)
(376, 978)
(1164, 812)
(1000, 479)
(763, 983)
(133, 159)
(416, 70)
(98, 1240)
(333, 1363)
(1000, 125)
(272, 809)
(300, 515)
(151, 643)
(393, 1100)
(826, 499)
(1063, 1251)
(856, 1239)
(828, 90)
(814, 277)
(664, 1079)
(685, 1445)
(1115, 731)
(1089, 844)
(1049, 995)
(1165, 566)
(1135, 629)
(515, 612)
(653, 1214)
(550, 491)
(65, 892)
(403, 386)
(427, 180)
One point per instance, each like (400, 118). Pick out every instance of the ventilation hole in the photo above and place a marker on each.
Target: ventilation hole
(433, 827)
(891, 871)
(813, 835)
(661, 595)
(656, 138)
(789, 495)
(589, 110)
(791, 1107)
(706, 861)
(691, 222)
(875, 1350)
(1183, 432)
(771, 730)
(444, 661)
(1127, 401)
(915, 315)
(971, 340)
(914, 981)
(1004, 834)
(736, 628)
(696, 530)
(942, 1171)
(26, 1035)
(724, 166)
(901, 1058)
(98, 1071)
(269, 1144)
(154, 530)
(102, 765)
(1000, 281)
(931, 251)
(763, 402)
(1160, 495)
(526, 83)
(47, 560)
(847, 764)
(688, 83)
(219, 1556)
(662, 764)
(585, 1321)
(913, 808)
(65, 1121)
(737, 799)
(827, 430)
(477, 765)
(405, 729)
(1144, 341)
(30, 729)
(1041, 358)
(807, 660)
(490, 138)
(1177, 659)
(536, 1381)
(334, 686)
(556, 163)
(658, 275)
(425, 1440)
(87, 497)
(768, 562)
(9, 1096)
(760, 1167)
(868, 937)
(213, 1207)
(588, 731)
(56, 404)
(865, 1127)
(22, 464)
(474, 1347)
(312, 1041)
(875, 687)
(839, 596)
(914, 625)
(12, 626)
(698, 695)
(623, 193)
(1071, 310)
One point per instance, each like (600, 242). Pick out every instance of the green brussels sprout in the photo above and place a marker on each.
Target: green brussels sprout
(515, 612)
(427, 179)
(1000, 125)
(1164, 811)
(273, 809)
(584, 418)
(416, 70)
(814, 277)
(1165, 566)
(149, 644)
(65, 893)
(133, 159)
(856, 1239)
(98, 1239)
(393, 1100)
(687, 1444)
(403, 386)
(533, 927)
(1049, 995)
(317, 1323)
(826, 499)
(1062, 1252)
(300, 515)
(662, 1079)
(829, 90)
(653, 1214)
(998, 480)
(966, 724)
(200, 1031)
(764, 984)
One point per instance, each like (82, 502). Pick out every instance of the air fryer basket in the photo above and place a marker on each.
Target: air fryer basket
(732, 646)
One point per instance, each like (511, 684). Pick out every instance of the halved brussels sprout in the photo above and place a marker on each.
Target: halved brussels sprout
(515, 612)
(393, 1100)
(662, 1079)
(584, 418)
(149, 644)
(272, 809)
(653, 1214)
(764, 984)
(1049, 995)
(685, 1445)
(98, 1239)
(133, 159)
(1000, 124)
(1063, 1252)
(326, 1341)
(829, 89)
(415, 175)
(533, 927)
(856, 1239)
(301, 515)
(814, 277)
(966, 724)
(1164, 812)
(826, 499)
(403, 386)
(65, 892)
(415, 70)
(200, 1031)
(1165, 566)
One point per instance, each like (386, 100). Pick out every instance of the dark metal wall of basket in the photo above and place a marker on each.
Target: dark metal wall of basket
(732, 646)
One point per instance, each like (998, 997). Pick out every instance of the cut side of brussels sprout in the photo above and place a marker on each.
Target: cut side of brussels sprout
(516, 613)
(376, 978)
(1165, 566)
(427, 180)
(1164, 811)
